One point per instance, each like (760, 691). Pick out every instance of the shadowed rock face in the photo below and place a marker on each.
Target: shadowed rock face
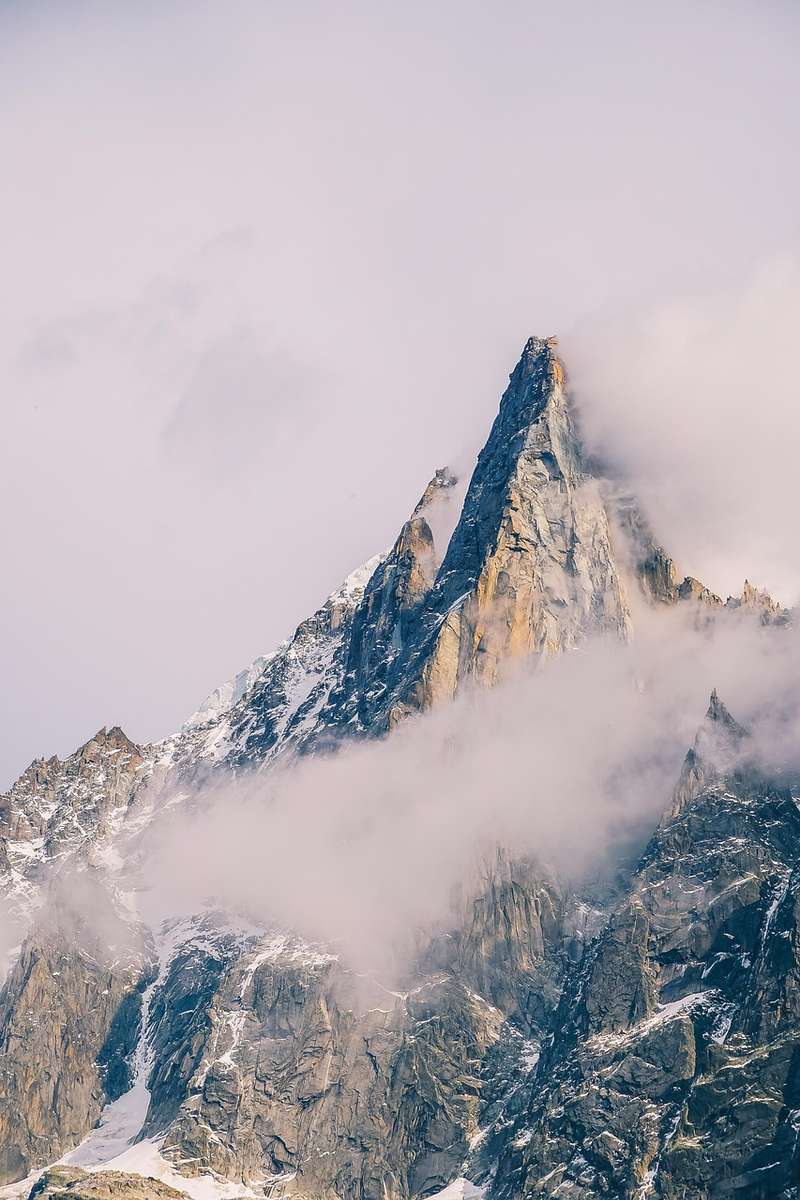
(675, 1070)
(387, 621)
(631, 1040)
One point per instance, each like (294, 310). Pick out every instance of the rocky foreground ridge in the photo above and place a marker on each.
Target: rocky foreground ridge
(634, 1039)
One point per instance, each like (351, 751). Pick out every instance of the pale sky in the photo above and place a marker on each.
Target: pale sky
(267, 265)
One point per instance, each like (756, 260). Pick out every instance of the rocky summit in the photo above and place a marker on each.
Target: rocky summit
(632, 1033)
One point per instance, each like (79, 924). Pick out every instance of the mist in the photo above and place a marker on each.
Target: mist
(268, 267)
(694, 401)
(570, 765)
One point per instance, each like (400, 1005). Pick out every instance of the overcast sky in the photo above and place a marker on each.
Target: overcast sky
(267, 265)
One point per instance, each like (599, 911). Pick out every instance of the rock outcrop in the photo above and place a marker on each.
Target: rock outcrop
(272, 1061)
(73, 1183)
(56, 808)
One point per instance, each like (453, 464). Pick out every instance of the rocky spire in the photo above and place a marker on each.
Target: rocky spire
(760, 603)
(387, 616)
(717, 750)
(719, 720)
(529, 569)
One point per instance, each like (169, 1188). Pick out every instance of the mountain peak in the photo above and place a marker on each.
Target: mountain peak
(529, 569)
(536, 345)
(536, 381)
(719, 738)
(759, 602)
(717, 751)
(718, 713)
(443, 480)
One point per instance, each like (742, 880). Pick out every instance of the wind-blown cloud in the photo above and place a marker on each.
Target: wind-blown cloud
(694, 401)
(571, 765)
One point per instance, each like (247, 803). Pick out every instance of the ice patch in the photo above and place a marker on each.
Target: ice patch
(120, 1122)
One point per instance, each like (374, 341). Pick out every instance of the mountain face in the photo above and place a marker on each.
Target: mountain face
(632, 1037)
(675, 1068)
(529, 569)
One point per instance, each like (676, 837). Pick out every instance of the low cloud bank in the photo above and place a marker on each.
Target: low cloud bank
(572, 764)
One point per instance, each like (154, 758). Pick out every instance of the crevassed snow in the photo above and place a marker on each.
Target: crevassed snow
(120, 1122)
(31, 849)
(21, 1189)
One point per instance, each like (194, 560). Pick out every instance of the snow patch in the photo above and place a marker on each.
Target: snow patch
(459, 1189)
(223, 698)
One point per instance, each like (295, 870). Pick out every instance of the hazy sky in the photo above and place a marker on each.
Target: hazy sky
(267, 265)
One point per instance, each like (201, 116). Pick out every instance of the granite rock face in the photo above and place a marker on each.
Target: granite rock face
(273, 1061)
(674, 1072)
(70, 1015)
(309, 1089)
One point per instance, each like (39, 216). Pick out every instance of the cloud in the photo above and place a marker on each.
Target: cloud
(694, 401)
(571, 765)
(239, 402)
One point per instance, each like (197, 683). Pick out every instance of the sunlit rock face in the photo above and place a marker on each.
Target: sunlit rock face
(632, 1036)
(529, 569)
